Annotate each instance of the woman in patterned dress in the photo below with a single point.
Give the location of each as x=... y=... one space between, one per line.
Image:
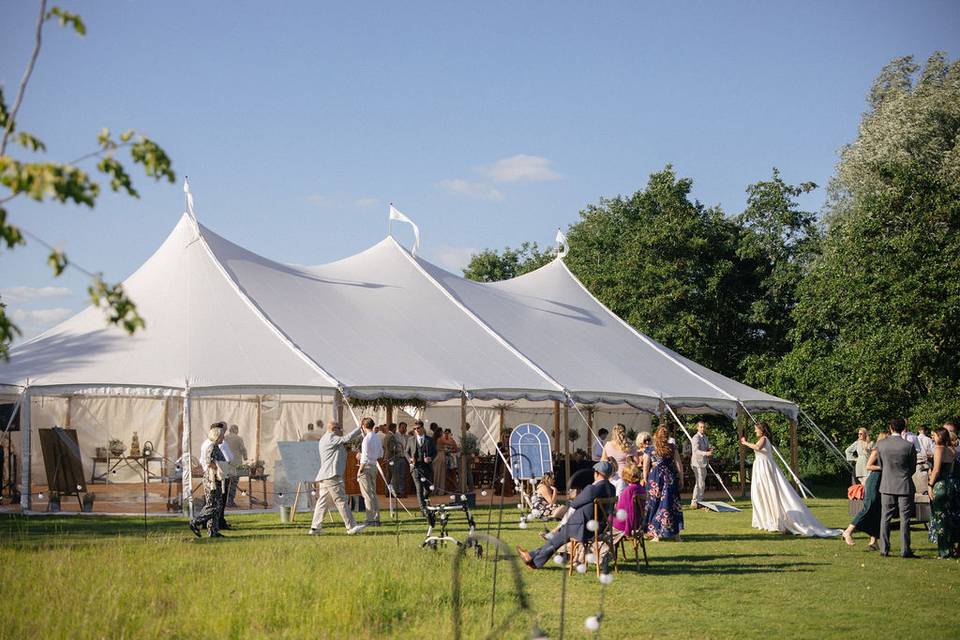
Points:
x=664 y=514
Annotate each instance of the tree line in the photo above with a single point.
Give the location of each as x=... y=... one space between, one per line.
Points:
x=851 y=311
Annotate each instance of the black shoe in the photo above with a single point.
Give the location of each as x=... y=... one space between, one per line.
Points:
x=195 y=529
x=217 y=534
x=884 y=554
x=909 y=555
x=226 y=527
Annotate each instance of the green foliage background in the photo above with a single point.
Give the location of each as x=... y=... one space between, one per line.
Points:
x=851 y=311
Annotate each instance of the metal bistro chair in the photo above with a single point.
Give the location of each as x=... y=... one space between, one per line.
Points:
x=634 y=535
x=603 y=510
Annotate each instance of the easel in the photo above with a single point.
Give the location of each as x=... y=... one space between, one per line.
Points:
x=61 y=457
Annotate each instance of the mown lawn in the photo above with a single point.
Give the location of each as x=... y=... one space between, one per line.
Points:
x=97 y=577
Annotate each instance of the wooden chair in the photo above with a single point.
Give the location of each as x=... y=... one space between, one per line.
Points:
x=634 y=534
x=603 y=510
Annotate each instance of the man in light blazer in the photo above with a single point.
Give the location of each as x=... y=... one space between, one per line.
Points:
x=898 y=458
x=700 y=452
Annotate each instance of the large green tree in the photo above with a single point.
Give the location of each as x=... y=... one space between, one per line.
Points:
x=23 y=175
x=878 y=317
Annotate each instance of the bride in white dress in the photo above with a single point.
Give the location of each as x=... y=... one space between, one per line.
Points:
x=776 y=506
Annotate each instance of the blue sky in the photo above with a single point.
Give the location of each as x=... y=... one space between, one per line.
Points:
x=488 y=123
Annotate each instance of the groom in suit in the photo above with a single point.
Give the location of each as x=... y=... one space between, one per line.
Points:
x=898 y=458
x=421 y=450
x=581 y=509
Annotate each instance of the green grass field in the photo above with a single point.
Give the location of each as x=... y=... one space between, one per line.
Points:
x=97 y=577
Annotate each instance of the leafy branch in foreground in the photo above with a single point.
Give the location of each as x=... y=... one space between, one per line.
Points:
x=65 y=182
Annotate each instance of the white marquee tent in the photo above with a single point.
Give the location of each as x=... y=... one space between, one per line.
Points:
x=227 y=327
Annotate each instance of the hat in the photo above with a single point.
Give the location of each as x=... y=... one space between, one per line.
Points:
x=604 y=468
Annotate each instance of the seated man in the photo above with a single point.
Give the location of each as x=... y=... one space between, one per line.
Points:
x=581 y=512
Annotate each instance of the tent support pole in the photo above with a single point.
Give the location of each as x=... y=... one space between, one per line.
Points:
x=463 y=434
x=66 y=418
x=793 y=445
x=556 y=425
x=503 y=424
x=389 y=414
x=740 y=421
x=593 y=433
x=25 y=426
x=337 y=409
x=257 y=436
x=566 y=443
x=186 y=461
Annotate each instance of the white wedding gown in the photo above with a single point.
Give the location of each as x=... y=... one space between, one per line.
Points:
x=776 y=506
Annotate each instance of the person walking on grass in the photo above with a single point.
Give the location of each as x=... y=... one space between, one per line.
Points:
x=371 y=450
x=211 y=459
x=898 y=459
x=330 y=489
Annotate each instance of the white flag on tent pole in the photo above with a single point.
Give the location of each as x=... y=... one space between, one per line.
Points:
x=186 y=190
x=563 y=248
x=397 y=215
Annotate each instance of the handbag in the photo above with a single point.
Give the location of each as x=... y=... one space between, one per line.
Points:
x=855 y=492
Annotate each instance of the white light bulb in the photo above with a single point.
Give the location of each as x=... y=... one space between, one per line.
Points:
x=558 y=559
x=40 y=495
x=79 y=488
x=314 y=492
x=581 y=568
x=391 y=463
x=280 y=494
x=591 y=558
x=621 y=514
x=431 y=487
x=592 y=525
x=453 y=497
x=606 y=578
x=484 y=492
x=523 y=523
x=463 y=496
x=592 y=623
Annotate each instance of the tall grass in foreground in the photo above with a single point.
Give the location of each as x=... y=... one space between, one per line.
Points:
x=81 y=577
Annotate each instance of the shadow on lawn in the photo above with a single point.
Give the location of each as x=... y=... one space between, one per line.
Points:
x=669 y=568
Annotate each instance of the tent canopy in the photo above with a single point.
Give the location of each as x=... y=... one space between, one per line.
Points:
x=381 y=323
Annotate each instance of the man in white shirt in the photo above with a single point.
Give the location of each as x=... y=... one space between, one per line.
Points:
x=598 y=443
x=925 y=446
x=333 y=464
x=371 y=450
x=311 y=434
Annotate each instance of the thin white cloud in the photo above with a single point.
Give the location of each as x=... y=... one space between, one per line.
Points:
x=366 y=202
x=470 y=189
x=521 y=168
x=40 y=317
x=322 y=201
x=453 y=259
x=23 y=294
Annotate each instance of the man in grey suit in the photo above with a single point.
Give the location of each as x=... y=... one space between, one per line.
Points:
x=898 y=458
x=699 y=459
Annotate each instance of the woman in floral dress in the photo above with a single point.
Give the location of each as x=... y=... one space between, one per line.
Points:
x=664 y=513
x=944 y=496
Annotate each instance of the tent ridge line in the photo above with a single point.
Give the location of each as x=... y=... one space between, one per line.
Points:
x=264 y=317
x=645 y=338
x=470 y=314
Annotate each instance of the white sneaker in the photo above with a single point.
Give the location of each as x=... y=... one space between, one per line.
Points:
x=316 y=532
x=356 y=529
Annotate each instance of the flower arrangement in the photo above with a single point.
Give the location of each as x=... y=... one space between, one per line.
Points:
x=116 y=447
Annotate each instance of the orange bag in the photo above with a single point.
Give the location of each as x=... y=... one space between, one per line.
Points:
x=855 y=492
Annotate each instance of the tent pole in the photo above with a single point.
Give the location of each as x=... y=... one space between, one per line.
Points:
x=793 y=445
x=256 y=456
x=556 y=425
x=740 y=421
x=186 y=460
x=566 y=443
x=66 y=418
x=337 y=407
x=590 y=428
x=503 y=423
x=463 y=434
x=25 y=427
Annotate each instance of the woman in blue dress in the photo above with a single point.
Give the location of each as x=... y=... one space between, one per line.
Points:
x=663 y=469
x=944 y=496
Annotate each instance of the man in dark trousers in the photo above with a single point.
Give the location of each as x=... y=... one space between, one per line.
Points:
x=421 y=450
x=898 y=458
x=576 y=527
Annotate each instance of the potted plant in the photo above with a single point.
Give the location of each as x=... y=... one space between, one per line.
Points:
x=116 y=447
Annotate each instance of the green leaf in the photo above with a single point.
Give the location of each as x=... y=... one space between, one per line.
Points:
x=58 y=261
x=66 y=18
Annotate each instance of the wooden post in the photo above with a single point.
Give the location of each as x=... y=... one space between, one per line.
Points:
x=566 y=444
x=556 y=425
x=66 y=420
x=793 y=446
x=503 y=424
x=389 y=414
x=592 y=435
x=338 y=407
x=743 y=453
